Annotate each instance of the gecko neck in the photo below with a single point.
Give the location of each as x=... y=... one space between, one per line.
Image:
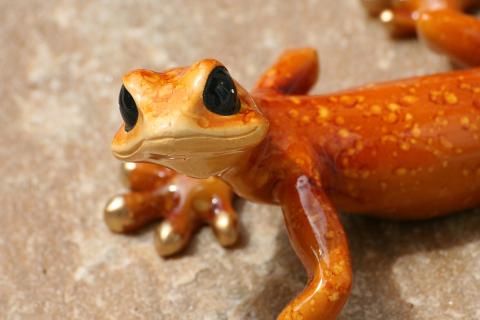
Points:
x=249 y=178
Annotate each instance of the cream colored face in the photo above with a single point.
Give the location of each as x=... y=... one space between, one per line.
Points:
x=177 y=125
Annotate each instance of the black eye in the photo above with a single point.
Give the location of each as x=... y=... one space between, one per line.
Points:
x=128 y=109
x=220 y=94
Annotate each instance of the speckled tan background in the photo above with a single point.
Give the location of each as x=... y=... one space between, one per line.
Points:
x=60 y=64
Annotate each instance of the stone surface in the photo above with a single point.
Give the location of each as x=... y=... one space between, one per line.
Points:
x=61 y=63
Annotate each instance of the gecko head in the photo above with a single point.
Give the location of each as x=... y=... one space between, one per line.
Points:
x=196 y=120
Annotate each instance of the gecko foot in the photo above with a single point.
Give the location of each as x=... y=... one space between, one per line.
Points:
x=182 y=203
x=398 y=17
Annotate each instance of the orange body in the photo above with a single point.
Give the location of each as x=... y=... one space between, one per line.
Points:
x=404 y=149
x=407 y=149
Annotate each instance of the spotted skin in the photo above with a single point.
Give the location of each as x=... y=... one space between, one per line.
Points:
x=407 y=149
x=386 y=149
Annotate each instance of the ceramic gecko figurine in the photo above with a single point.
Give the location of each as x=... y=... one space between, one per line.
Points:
x=408 y=149
x=441 y=23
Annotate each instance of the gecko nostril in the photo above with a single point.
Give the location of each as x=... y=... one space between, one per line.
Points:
x=128 y=109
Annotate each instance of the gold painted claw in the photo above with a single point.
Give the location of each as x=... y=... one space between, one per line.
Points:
x=182 y=202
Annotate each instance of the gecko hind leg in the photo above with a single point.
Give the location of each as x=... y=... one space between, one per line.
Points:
x=397 y=16
x=295 y=72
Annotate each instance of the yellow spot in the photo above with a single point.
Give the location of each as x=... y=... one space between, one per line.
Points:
x=436 y=96
x=391 y=117
x=408 y=117
x=465 y=172
x=465 y=122
x=393 y=107
x=293 y=113
x=344 y=133
x=305 y=119
x=465 y=86
x=376 y=109
x=405 y=146
x=409 y=99
x=300 y=161
x=416 y=132
x=334 y=296
x=337 y=269
x=295 y=100
x=383 y=185
x=401 y=171
x=360 y=99
x=323 y=113
x=339 y=120
x=333 y=99
x=445 y=163
x=450 y=97
x=348 y=101
x=441 y=121
x=330 y=234
x=389 y=138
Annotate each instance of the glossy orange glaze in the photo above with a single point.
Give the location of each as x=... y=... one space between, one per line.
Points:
x=441 y=23
x=386 y=149
x=407 y=149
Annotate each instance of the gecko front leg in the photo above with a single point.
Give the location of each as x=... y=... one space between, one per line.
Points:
x=317 y=237
x=182 y=202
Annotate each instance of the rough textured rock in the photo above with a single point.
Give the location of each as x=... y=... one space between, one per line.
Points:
x=61 y=64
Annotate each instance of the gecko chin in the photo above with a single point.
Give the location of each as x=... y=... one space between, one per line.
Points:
x=196 y=156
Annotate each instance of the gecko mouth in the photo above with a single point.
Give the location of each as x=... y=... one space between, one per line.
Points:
x=187 y=147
